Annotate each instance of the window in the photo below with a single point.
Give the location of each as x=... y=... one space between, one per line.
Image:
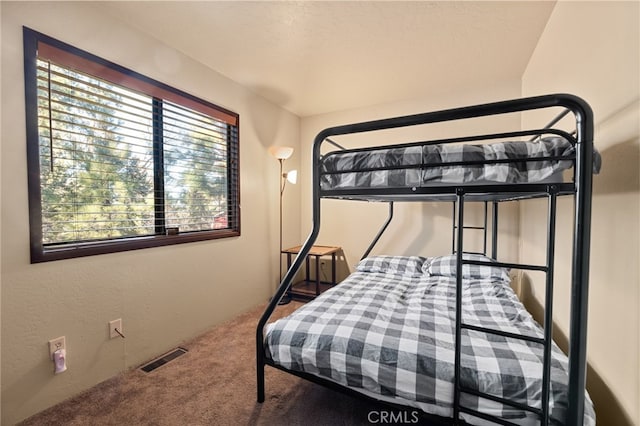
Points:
x=118 y=161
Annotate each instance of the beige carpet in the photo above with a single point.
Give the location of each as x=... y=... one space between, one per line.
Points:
x=212 y=384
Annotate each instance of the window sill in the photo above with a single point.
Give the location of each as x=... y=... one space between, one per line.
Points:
x=70 y=251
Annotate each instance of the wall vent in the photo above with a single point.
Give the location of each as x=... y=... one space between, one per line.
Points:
x=170 y=356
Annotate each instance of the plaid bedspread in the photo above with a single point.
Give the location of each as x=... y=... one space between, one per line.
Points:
x=392 y=333
x=421 y=165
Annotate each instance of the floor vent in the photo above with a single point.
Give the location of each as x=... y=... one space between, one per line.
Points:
x=163 y=360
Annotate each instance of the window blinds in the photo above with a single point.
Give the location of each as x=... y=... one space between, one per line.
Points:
x=128 y=160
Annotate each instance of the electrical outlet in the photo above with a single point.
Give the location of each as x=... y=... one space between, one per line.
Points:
x=55 y=344
x=113 y=325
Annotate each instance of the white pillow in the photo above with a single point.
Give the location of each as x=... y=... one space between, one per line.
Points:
x=402 y=265
x=445 y=266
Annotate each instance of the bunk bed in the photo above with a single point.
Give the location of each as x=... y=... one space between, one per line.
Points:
x=446 y=335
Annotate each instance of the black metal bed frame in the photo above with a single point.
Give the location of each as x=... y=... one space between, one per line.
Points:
x=580 y=188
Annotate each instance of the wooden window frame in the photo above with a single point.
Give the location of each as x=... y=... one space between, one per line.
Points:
x=37 y=44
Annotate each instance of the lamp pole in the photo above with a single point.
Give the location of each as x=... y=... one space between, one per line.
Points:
x=286 y=298
x=281 y=153
x=281 y=185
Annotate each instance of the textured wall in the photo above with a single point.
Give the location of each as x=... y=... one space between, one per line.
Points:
x=592 y=49
x=164 y=295
x=417 y=228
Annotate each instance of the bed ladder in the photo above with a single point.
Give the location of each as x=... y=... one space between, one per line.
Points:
x=546 y=341
x=484 y=228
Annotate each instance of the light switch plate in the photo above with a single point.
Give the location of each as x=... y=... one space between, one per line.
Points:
x=117 y=323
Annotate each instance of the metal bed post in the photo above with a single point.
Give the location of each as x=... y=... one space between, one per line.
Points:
x=458 y=344
x=494 y=230
x=580 y=266
x=484 y=244
x=548 y=309
x=453 y=228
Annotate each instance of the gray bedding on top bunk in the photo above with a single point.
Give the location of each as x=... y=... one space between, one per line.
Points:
x=409 y=166
x=389 y=329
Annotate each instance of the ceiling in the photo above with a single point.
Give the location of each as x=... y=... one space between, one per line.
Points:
x=313 y=57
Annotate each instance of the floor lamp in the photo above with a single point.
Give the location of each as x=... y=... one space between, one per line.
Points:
x=281 y=153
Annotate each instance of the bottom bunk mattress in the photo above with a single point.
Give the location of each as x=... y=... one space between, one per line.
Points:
x=388 y=330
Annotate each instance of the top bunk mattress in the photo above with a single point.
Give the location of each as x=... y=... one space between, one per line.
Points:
x=541 y=161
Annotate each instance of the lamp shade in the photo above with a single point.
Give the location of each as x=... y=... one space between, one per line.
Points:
x=292 y=176
x=281 y=152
